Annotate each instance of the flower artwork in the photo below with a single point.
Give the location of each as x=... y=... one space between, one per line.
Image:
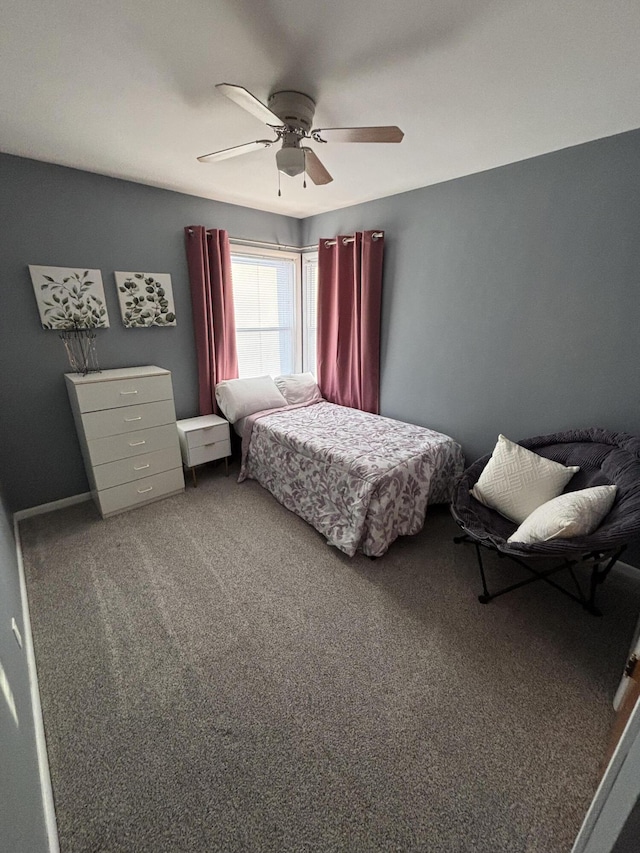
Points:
x=69 y=298
x=146 y=299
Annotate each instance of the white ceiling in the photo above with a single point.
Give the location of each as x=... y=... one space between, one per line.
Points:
x=127 y=88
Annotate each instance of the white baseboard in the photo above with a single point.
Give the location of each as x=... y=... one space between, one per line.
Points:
x=41 y=745
x=50 y=507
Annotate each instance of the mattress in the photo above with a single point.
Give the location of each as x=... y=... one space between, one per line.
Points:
x=360 y=479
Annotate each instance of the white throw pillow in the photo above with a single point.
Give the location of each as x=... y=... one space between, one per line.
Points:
x=299 y=388
x=516 y=481
x=574 y=514
x=238 y=398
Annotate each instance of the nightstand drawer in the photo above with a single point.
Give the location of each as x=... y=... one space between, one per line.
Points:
x=140 y=492
x=129 y=419
x=116 y=393
x=125 y=446
x=207 y=435
x=127 y=470
x=208 y=452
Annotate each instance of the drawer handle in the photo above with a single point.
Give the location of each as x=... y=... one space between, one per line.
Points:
x=128 y=420
x=124 y=393
x=136 y=443
x=142 y=491
x=140 y=467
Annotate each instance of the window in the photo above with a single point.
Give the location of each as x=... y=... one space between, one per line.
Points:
x=309 y=310
x=274 y=296
x=266 y=303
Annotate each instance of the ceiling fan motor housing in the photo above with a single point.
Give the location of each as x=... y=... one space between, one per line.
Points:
x=294 y=109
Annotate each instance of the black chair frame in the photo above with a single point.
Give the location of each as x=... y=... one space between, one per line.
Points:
x=601 y=565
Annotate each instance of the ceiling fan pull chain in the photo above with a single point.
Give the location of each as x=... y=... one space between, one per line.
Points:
x=304 y=174
x=279 y=193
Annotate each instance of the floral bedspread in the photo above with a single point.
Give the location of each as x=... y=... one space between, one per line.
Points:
x=360 y=479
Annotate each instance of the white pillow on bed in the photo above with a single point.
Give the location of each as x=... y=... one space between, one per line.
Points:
x=299 y=388
x=238 y=398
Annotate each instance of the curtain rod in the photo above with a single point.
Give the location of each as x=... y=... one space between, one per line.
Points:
x=375 y=236
x=261 y=244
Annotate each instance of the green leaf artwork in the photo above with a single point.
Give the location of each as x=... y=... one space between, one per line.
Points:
x=146 y=299
x=69 y=298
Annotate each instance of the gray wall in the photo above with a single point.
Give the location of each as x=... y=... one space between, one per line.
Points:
x=512 y=297
x=510 y=302
x=55 y=216
x=22 y=825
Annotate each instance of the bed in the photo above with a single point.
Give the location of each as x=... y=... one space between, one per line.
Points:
x=360 y=479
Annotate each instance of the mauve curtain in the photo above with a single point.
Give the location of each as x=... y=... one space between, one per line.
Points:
x=349 y=305
x=209 y=261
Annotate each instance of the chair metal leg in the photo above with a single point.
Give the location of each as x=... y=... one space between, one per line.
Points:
x=598 y=577
x=598 y=574
x=485 y=598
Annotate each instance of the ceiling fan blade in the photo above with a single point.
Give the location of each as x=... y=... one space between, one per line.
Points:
x=249 y=102
x=314 y=167
x=358 y=134
x=236 y=150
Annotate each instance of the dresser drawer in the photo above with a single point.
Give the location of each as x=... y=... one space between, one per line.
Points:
x=127 y=470
x=113 y=394
x=140 y=492
x=126 y=445
x=129 y=419
x=208 y=452
x=207 y=435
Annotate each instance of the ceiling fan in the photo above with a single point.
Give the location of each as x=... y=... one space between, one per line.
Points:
x=290 y=115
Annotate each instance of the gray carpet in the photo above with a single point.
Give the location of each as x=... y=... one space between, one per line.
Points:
x=214 y=677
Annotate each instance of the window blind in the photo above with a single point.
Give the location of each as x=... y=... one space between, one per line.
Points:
x=265 y=307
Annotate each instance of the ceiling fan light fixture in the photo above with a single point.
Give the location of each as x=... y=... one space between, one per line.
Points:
x=290 y=161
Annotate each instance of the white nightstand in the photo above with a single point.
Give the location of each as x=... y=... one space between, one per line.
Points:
x=202 y=440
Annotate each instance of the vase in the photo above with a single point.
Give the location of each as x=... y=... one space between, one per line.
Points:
x=80 y=346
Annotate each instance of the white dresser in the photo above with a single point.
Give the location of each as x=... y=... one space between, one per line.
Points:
x=126 y=423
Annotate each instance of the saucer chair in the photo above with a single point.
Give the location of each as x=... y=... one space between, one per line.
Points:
x=605 y=458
